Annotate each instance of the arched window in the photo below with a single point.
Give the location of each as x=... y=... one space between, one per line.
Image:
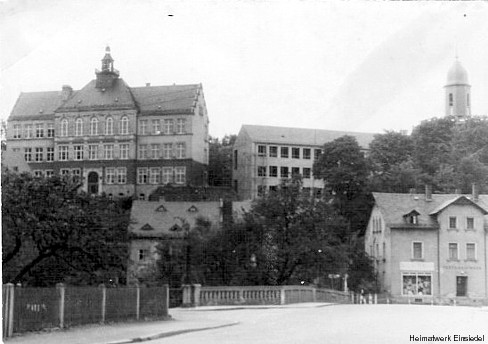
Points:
x=79 y=127
x=124 y=126
x=94 y=126
x=64 y=127
x=109 y=126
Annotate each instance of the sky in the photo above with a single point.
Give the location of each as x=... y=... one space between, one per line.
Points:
x=355 y=66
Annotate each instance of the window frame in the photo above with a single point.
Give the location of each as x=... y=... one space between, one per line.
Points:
x=307 y=153
x=421 y=250
x=109 y=126
x=124 y=126
x=93 y=126
x=79 y=127
x=180 y=174
x=475 y=253
x=449 y=248
x=284 y=152
x=262 y=150
x=273 y=151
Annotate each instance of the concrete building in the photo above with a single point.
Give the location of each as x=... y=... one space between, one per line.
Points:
x=117 y=139
x=430 y=246
x=263 y=155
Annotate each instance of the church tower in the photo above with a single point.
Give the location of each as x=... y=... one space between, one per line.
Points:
x=106 y=77
x=458 y=92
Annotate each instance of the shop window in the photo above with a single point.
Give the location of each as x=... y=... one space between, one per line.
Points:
x=416 y=284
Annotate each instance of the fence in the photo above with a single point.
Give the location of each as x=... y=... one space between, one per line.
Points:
x=268 y=295
x=32 y=309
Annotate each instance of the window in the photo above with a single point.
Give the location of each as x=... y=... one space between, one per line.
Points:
x=261 y=171
x=235 y=159
x=154 y=151
x=451 y=99
x=40 y=130
x=180 y=175
x=307 y=153
x=109 y=126
x=121 y=175
x=142 y=197
x=154 y=175
x=273 y=151
x=416 y=284
x=295 y=171
x=64 y=127
x=49 y=173
x=78 y=127
x=452 y=222
x=284 y=152
x=28 y=154
x=143 y=255
x=76 y=173
x=64 y=172
x=92 y=152
x=50 y=130
x=470 y=251
x=168 y=126
x=110 y=175
x=295 y=153
x=37 y=173
x=78 y=152
x=284 y=172
x=167 y=175
x=180 y=150
x=108 y=152
x=417 y=250
x=50 y=154
x=143 y=152
x=142 y=175
x=470 y=223
x=261 y=150
x=17 y=131
x=273 y=171
x=63 y=153
x=124 y=151
x=143 y=127
x=453 y=251
x=94 y=126
x=307 y=172
x=467 y=100
x=167 y=150
x=28 y=131
x=39 y=154
x=180 y=125
x=156 y=127
x=261 y=190
x=124 y=126
x=317 y=153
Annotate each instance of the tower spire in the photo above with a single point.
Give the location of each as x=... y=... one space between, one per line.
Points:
x=107 y=76
x=458 y=89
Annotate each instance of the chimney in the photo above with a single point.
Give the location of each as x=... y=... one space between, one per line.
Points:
x=457 y=191
x=66 y=92
x=148 y=84
x=428 y=192
x=476 y=192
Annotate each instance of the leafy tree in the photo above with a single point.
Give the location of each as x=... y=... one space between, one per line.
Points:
x=53 y=233
x=220 y=161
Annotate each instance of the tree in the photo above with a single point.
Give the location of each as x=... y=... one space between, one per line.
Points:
x=53 y=233
x=220 y=161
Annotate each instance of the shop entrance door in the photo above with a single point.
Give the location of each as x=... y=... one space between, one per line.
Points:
x=461 y=285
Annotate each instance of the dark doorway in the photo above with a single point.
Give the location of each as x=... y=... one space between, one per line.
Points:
x=461 y=285
x=93 y=183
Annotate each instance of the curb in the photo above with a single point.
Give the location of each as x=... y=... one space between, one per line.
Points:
x=169 y=334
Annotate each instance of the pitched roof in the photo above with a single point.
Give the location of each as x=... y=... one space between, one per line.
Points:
x=301 y=136
x=145 y=215
x=89 y=97
x=36 y=105
x=166 y=99
x=393 y=206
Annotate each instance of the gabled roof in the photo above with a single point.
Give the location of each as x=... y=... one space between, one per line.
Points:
x=393 y=206
x=461 y=200
x=301 y=136
x=166 y=99
x=36 y=105
x=90 y=97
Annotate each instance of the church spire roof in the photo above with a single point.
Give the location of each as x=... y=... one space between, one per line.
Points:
x=457 y=74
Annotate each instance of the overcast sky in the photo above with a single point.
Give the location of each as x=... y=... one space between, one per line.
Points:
x=357 y=66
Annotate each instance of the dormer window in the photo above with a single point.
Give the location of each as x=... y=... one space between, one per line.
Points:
x=175 y=228
x=412 y=217
x=192 y=209
x=161 y=208
x=146 y=227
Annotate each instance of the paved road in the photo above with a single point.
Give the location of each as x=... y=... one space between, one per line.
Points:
x=336 y=324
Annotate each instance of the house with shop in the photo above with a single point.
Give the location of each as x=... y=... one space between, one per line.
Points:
x=155 y=222
x=263 y=155
x=430 y=247
x=118 y=140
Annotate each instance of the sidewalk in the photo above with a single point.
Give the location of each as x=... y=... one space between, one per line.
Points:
x=183 y=320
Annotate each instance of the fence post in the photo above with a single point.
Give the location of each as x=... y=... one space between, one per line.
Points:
x=375 y=298
x=314 y=294
x=8 y=320
x=138 y=301
x=282 y=296
x=103 y=288
x=166 y=300
x=61 y=288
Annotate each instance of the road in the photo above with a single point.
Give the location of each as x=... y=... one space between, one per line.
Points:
x=334 y=324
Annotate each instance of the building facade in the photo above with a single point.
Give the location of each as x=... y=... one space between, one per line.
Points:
x=430 y=247
x=119 y=140
x=263 y=155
